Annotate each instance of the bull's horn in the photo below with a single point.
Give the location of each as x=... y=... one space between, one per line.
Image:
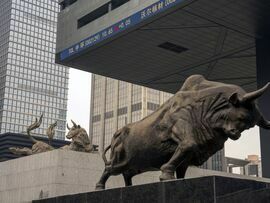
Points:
x=38 y=122
x=75 y=125
x=68 y=127
x=40 y=118
x=254 y=95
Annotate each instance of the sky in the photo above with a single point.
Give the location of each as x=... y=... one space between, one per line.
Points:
x=79 y=111
x=79 y=93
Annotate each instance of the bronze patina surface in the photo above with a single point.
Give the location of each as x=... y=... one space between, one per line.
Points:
x=79 y=139
x=186 y=130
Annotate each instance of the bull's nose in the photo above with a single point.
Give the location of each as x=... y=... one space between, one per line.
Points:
x=233 y=131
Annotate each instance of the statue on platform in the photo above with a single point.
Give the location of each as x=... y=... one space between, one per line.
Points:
x=79 y=139
x=186 y=130
x=38 y=146
x=50 y=132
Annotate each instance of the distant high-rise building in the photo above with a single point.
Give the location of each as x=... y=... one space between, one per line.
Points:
x=116 y=103
x=254 y=168
x=216 y=162
x=30 y=82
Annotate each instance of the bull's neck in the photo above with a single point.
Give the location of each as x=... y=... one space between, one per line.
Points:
x=204 y=113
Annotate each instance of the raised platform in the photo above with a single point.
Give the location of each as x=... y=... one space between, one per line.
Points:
x=55 y=173
x=204 y=189
x=8 y=140
x=59 y=172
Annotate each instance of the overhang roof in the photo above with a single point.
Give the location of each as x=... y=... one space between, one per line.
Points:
x=235 y=162
x=220 y=37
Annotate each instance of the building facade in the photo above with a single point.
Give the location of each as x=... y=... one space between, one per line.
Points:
x=254 y=168
x=30 y=81
x=116 y=103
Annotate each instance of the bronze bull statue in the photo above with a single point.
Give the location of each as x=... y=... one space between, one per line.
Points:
x=186 y=130
x=38 y=146
x=79 y=139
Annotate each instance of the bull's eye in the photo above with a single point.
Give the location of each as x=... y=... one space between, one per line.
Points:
x=245 y=121
x=242 y=119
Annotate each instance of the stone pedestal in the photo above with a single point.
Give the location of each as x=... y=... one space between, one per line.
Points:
x=61 y=172
x=204 y=189
x=55 y=173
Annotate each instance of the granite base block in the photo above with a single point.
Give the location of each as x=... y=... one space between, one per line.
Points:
x=203 y=189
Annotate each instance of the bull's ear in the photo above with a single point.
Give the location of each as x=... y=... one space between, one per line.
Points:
x=234 y=99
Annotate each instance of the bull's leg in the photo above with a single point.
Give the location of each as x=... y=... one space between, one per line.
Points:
x=101 y=183
x=181 y=171
x=127 y=179
x=182 y=152
x=179 y=157
x=128 y=176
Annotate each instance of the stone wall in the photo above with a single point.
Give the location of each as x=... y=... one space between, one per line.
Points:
x=54 y=173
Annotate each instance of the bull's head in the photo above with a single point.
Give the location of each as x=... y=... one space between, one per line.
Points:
x=73 y=130
x=79 y=136
x=242 y=114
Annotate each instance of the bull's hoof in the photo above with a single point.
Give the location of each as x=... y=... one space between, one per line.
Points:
x=109 y=169
x=100 y=187
x=166 y=176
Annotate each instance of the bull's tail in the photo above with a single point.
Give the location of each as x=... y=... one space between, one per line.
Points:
x=114 y=141
x=104 y=155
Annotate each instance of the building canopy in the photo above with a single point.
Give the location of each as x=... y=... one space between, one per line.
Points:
x=162 y=44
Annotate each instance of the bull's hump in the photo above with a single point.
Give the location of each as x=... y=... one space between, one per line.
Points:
x=191 y=82
x=225 y=90
x=199 y=83
x=196 y=94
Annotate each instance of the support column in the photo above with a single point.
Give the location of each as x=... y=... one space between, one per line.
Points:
x=263 y=76
x=103 y=101
x=129 y=104
x=91 y=109
x=223 y=160
x=144 y=102
x=115 y=103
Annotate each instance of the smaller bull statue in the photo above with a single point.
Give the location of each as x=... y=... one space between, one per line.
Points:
x=38 y=146
x=186 y=130
x=50 y=132
x=80 y=140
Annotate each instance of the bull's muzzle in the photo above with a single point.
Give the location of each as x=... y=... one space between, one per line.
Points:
x=233 y=134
